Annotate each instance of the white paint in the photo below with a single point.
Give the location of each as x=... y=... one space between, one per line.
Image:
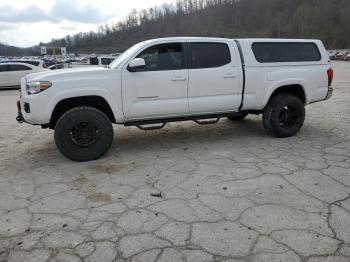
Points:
x=157 y=94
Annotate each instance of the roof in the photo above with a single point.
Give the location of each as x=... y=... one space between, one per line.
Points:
x=184 y=38
x=275 y=40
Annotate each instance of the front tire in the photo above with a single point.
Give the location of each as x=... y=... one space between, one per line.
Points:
x=284 y=115
x=83 y=134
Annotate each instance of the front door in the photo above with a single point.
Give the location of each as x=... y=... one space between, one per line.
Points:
x=159 y=89
x=16 y=72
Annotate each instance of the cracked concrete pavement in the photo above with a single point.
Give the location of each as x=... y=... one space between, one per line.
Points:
x=225 y=192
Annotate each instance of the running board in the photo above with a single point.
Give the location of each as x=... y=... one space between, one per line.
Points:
x=142 y=124
x=163 y=121
x=207 y=122
x=147 y=128
x=177 y=119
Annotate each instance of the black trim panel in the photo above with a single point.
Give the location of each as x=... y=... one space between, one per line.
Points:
x=177 y=119
x=243 y=72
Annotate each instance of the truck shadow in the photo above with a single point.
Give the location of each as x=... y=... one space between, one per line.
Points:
x=186 y=135
x=175 y=136
x=179 y=138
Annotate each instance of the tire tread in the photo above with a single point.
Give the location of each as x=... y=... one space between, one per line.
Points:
x=268 y=114
x=61 y=121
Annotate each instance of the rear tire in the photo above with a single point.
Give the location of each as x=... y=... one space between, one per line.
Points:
x=284 y=115
x=238 y=117
x=83 y=134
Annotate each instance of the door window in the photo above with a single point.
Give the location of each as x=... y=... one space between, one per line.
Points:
x=207 y=55
x=19 y=68
x=163 y=57
x=34 y=63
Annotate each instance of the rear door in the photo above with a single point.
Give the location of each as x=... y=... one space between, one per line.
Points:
x=214 y=84
x=4 y=76
x=160 y=88
x=17 y=71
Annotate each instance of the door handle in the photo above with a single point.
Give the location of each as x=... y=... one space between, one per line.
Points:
x=229 y=76
x=179 y=78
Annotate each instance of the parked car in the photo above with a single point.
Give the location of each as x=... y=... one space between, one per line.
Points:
x=39 y=63
x=47 y=63
x=347 y=57
x=332 y=54
x=12 y=72
x=101 y=61
x=57 y=66
x=341 y=55
x=177 y=79
x=115 y=55
x=93 y=61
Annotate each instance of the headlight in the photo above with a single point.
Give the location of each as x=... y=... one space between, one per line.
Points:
x=37 y=87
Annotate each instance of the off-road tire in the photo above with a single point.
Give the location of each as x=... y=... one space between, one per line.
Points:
x=69 y=138
x=238 y=117
x=273 y=118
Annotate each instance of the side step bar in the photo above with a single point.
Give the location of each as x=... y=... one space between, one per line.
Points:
x=206 y=120
x=147 y=128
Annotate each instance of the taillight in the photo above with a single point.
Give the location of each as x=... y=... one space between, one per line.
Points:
x=330 y=75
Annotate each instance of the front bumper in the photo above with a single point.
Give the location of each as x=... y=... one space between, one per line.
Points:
x=33 y=109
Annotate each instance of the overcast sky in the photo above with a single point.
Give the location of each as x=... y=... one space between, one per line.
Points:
x=27 y=22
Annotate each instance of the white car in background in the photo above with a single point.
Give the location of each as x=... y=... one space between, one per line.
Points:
x=347 y=57
x=12 y=72
x=101 y=61
x=39 y=63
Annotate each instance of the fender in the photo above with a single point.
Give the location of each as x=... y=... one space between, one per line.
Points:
x=281 y=83
x=78 y=92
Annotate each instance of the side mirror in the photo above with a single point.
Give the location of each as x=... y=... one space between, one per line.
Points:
x=136 y=64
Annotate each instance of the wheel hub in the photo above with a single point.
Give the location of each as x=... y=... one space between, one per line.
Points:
x=84 y=134
x=288 y=117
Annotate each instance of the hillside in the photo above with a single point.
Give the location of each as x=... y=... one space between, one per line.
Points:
x=328 y=20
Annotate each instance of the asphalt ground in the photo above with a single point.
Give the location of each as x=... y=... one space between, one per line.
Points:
x=222 y=192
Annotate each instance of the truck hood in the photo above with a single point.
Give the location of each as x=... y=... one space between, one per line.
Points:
x=66 y=74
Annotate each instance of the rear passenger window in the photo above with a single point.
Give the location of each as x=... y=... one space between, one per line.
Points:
x=286 y=52
x=206 y=55
x=19 y=68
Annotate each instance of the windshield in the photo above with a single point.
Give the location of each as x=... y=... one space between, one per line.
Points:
x=121 y=59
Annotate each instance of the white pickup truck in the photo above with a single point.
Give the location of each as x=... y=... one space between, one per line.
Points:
x=176 y=79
